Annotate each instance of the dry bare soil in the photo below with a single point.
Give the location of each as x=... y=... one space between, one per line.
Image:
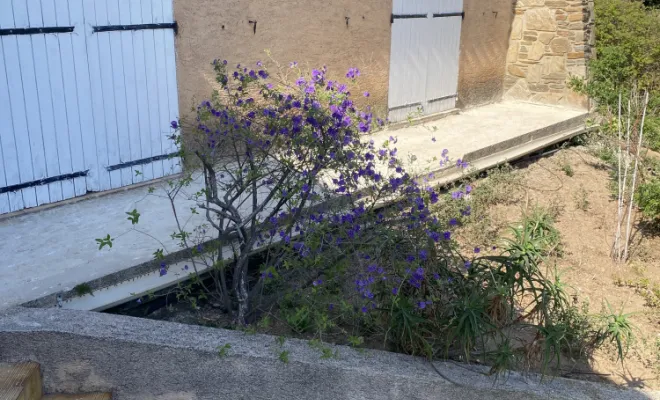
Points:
x=575 y=186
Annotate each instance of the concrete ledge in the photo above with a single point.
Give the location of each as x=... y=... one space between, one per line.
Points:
x=144 y=359
x=538 y=134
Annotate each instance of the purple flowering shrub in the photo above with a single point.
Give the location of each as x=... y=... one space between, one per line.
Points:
x=269 y=149
x=350 y=242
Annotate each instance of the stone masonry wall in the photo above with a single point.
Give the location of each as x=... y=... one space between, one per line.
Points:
x=549 y=43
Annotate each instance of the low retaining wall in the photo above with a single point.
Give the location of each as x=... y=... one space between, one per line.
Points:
x=143 y=359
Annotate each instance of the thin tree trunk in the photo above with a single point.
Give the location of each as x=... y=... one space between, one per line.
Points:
x=626 y=169
x=617 y=236
x=634 y=177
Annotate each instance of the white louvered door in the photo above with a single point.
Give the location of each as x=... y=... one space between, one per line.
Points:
x=424 y=57
x=87 y=92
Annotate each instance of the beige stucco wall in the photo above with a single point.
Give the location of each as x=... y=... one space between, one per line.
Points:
x=549 y=43
x=484 y=44
x=337 y=33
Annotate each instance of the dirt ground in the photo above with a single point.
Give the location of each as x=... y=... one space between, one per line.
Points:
x=575 y=185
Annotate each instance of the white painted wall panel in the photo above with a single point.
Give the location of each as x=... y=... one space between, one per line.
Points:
x=150 y=55
x=84 y=94
x=144 y=114
x=443 y=52
x=172 y=93
x=15 y=143
x=33 y=150
x=96 y=88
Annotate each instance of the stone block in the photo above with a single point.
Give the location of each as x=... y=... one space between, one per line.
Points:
x=534 y=73
x=536 y=52
x=529 y=38
x=538 y=87
x=530 y=3
x=522 y=56
x=576 y=55
x=578 y=36
x=576 y=26
x=574 y=99
x=547 y=98
x=512 y=53
x=575 y=17
x=516 y=28
x=556 y=3
x=546 y=37
x=516 y=71
x=519 y=91
x=563 y=33
x=540 y=19
x=553 y=67
x=560 y=45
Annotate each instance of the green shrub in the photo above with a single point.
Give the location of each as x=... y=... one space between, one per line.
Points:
x=627 y=50
x=648 y=199
x=627 y=58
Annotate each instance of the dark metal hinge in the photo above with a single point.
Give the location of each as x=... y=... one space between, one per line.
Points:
x=137 y=27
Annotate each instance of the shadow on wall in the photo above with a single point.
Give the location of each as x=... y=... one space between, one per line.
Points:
x=484 y=43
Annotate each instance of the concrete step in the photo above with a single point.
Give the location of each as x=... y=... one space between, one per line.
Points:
x=88 y=396
x=21 y=381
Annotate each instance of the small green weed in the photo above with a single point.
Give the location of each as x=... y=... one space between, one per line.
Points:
x=326 y=351
x=617 y=329
x=568 y=170
x=534 y=238
x=581 y=198
x=355 y=341
x=504 y=359
x=284 y=356
x=83 y=289
x=300 y=319
x=644 y=287
x=223 y=351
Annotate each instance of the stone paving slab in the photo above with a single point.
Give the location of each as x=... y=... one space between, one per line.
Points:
x=52 y=250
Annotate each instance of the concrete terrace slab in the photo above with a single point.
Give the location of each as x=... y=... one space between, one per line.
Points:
x=465 y=134
x=52 y=250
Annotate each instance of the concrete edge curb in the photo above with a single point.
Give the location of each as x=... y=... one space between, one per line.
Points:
x=121 y=330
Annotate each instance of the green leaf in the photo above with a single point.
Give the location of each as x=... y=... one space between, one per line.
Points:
x=158 y=254
x=133 y=216
x=106 y=241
